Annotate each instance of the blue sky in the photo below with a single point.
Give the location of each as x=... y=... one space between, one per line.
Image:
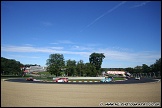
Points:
x=127 y=32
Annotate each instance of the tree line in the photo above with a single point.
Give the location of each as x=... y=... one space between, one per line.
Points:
x=10 y=67
x=57 y=65
x=153 y=69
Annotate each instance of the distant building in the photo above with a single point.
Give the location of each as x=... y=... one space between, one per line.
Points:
x=31 y=69
x=116 y=72
x=123 y=73
x=27 y=70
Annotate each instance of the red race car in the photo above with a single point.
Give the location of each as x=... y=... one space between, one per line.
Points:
x=61 y=80
x=30 y=79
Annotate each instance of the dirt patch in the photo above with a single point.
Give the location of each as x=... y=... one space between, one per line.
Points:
x=15 y=94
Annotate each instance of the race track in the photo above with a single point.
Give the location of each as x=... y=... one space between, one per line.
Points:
x=128 y=81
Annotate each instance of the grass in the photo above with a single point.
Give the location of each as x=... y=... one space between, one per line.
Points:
x=44 y=73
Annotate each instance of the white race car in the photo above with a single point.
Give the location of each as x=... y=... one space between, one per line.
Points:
x=137 y=78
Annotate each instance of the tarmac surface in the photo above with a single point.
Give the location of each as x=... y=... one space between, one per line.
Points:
x=128 y=81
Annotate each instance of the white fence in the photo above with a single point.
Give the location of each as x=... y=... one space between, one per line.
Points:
x=86 y=77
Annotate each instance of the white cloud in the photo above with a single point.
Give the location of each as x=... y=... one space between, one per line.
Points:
x=138 y=57
x=22 y=56
x=39 y=49
x=65 y=42
x=57 y=48
x=80 y=48
x=121 y=49
x=53 y=43
x=62 y=42
x=28 y=44
x=82 y=52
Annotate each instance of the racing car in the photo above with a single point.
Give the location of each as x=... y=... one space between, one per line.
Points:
x=30 y=79
x=137 y=78
x=61 y=80
x=107 y=79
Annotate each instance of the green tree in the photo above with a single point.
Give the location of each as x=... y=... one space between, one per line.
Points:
x=10 y=66
x=129 y=69
x=80 y=68
x=145 y=68
x=71 y=68
x=156 y=67
x=55 y=63
x=138 y=70
x=90 y=70
x=96 y=60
